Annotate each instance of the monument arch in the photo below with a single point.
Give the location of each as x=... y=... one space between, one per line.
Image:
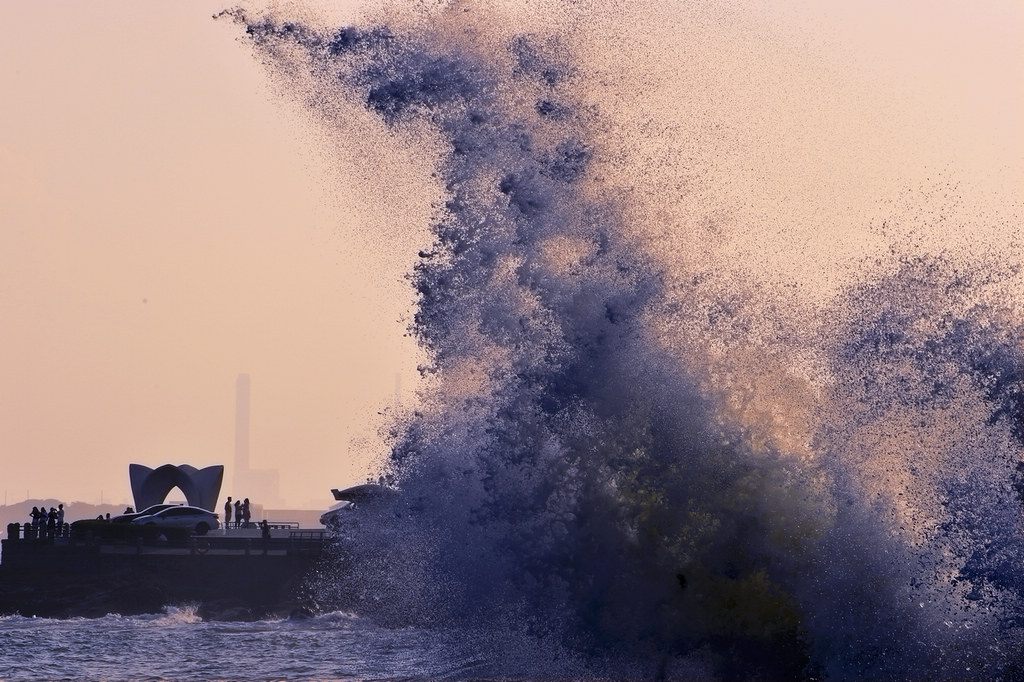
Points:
x=151 y=486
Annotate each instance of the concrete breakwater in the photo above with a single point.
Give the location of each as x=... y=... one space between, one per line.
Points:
x=229 y=577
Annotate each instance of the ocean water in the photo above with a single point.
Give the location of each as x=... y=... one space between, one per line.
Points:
x=178 y=645
x=659 y=435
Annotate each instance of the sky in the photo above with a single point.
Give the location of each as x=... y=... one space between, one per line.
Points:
x=166 y=223
x=169 y=220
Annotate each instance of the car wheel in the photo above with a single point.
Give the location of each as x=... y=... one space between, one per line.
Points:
x=202 y=529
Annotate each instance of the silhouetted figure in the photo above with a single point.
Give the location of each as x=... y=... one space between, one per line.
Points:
x=227 y=513
x=245 y=513
x=51 y=522
x=32 y=531
x=127 y=510
x=60 y=518
x=265 y=533
x=238 y=513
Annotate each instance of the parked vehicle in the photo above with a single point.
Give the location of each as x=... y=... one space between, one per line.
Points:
x=369 y=499
x=127 y=518
x=117 y=528
x=200 y=520
x=334 y=517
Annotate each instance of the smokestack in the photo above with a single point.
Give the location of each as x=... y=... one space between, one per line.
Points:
x=241 y=426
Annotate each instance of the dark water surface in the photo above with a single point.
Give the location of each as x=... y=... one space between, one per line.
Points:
x=178 y=645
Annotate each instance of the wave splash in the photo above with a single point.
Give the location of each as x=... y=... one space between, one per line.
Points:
x=573 y=475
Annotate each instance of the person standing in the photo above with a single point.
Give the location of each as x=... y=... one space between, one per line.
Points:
x=33 y=530
x=60 y=519
x=265 y=534
x=238 y=513
x=227 y=513
x=245 y=513
x=51 y=522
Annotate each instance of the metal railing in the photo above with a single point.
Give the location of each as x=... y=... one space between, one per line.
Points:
x=305 y=541
x=37 y=532
x=299 y=541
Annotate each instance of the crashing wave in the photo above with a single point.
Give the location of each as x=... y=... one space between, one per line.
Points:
x=597 y=460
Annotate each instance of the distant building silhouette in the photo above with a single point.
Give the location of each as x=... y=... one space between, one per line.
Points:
x=263 y=486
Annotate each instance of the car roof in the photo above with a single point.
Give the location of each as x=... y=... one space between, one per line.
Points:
x=183 y=506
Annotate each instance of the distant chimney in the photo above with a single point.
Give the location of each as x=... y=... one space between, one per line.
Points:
x=263 y=486
x=241 y=426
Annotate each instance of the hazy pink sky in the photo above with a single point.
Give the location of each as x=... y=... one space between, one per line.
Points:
x=167 y=222
x=164 y=226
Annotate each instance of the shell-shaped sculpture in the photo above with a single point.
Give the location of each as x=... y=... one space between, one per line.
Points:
x=201 y=486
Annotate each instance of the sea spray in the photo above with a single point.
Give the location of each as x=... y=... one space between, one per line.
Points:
x=590 y=465
x=925 y=435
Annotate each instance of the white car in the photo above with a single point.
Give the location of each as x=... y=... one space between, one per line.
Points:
x=129 y=517
x=365 y=496
x=334 y=517
x=201 y=520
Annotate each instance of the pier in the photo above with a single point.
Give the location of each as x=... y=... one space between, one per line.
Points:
x=233 y=573
x=286 y=538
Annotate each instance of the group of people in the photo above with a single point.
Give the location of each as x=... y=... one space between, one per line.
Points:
x=241 y=513
x=46 y=523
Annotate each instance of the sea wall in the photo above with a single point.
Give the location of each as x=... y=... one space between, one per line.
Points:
x=91 y=580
